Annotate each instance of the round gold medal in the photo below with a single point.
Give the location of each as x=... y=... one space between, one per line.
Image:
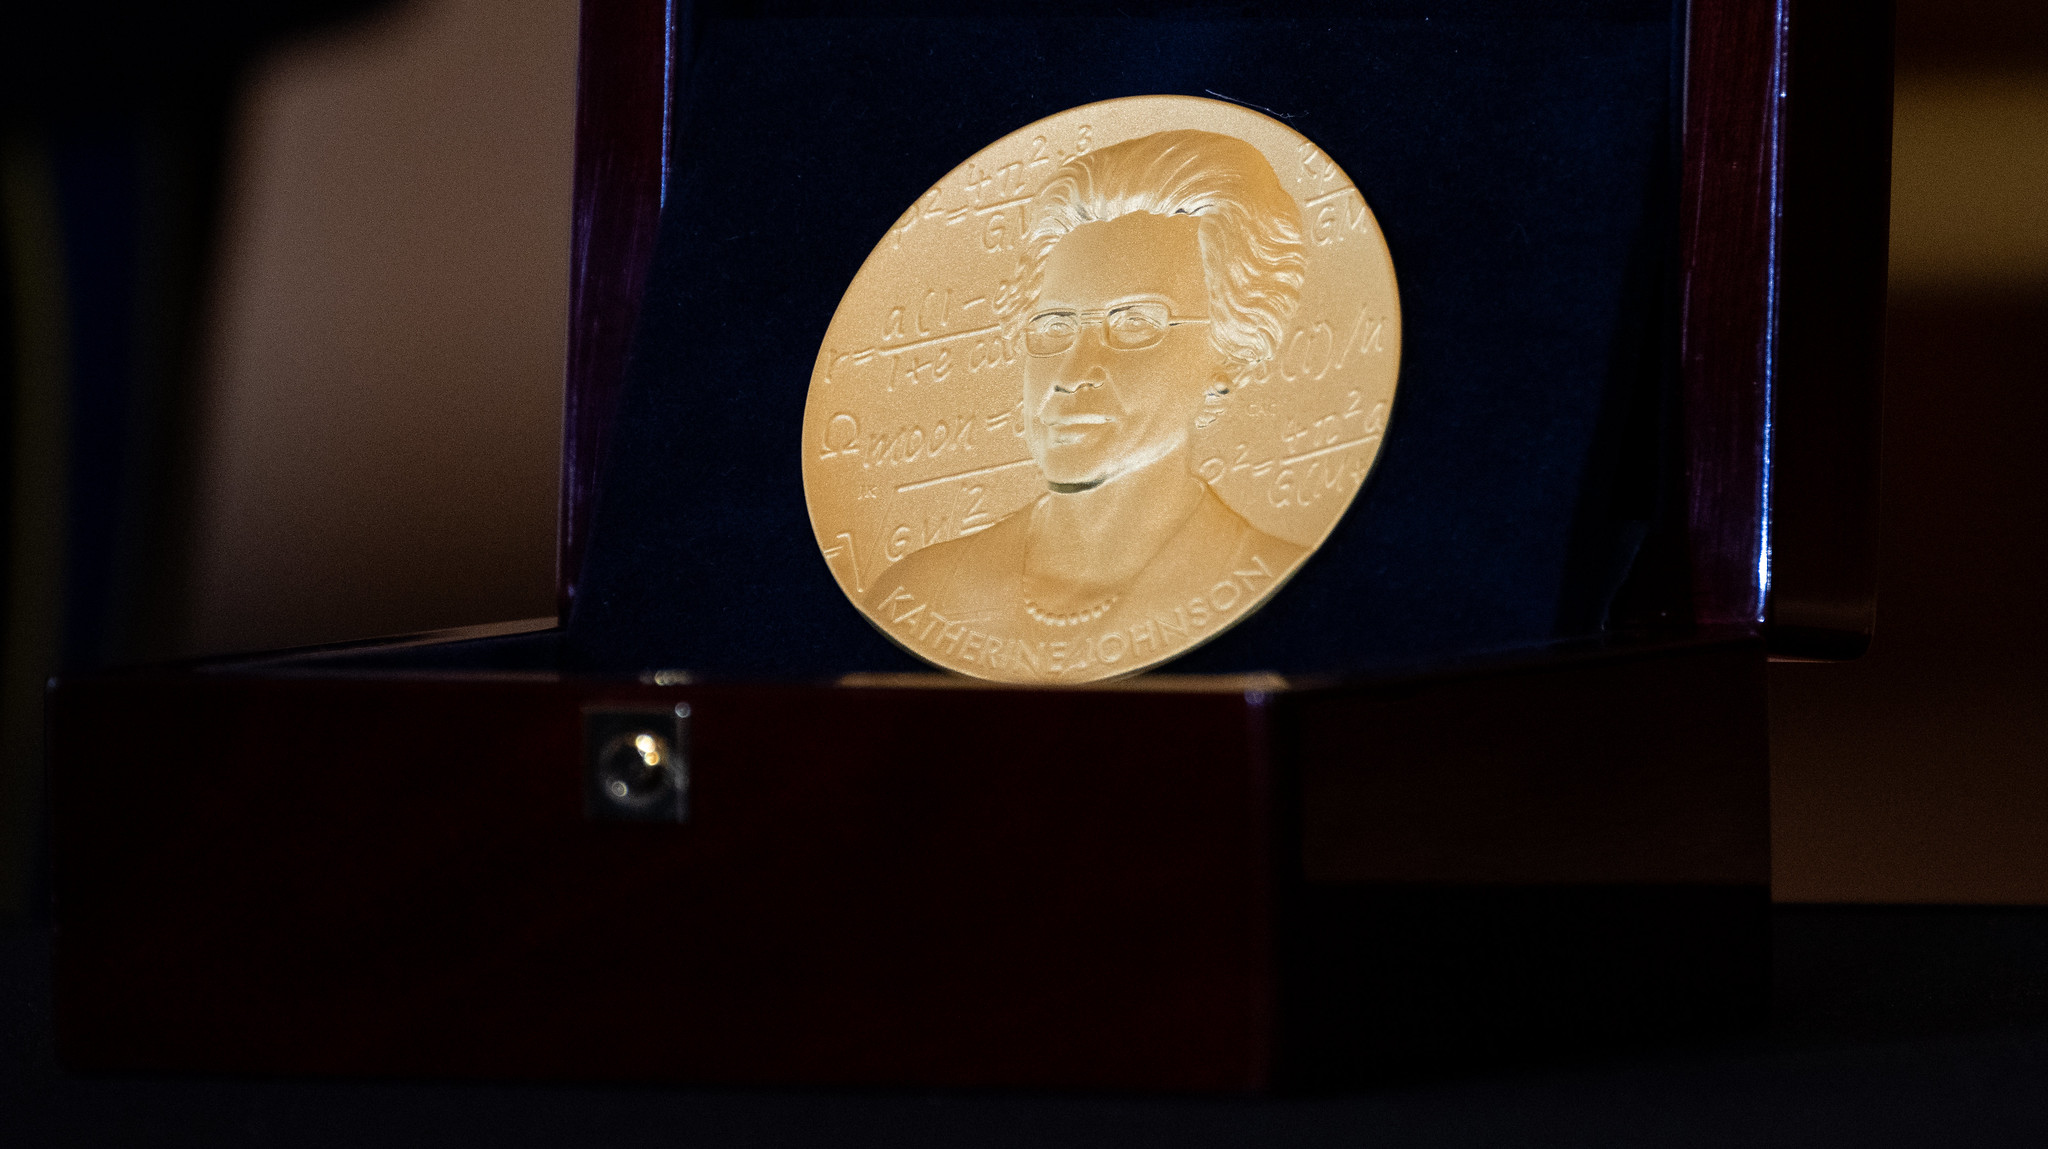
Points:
x=1102 y=390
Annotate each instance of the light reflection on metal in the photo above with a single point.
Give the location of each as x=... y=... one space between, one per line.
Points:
x=637 y=765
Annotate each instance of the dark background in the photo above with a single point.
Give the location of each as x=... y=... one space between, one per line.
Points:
x=1920 y=773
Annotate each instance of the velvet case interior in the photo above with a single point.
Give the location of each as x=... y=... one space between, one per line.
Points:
x=1519 y=156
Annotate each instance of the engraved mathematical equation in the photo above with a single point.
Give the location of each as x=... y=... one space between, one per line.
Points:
x=1315 y=352
x=1319 y=462
x=904 y=444
x=964 y=510
x=987 y=195
x=921 y=342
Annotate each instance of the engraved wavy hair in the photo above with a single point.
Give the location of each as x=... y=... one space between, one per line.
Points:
x=1248 y=228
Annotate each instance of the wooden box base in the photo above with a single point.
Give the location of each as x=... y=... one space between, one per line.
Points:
x=1211 y=885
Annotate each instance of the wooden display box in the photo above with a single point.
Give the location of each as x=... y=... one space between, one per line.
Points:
x=1168 y=885
x=381 y=859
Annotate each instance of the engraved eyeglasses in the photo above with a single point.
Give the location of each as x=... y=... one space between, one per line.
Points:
x=1128 y=327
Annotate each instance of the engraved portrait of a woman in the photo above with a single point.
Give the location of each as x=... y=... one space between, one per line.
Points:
x=1157 y=274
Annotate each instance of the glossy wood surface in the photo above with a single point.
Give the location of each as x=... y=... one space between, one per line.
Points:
x=324 y=871
x=396 y=875
x=622 y=113
x=1728 y=239
x=1622 y=769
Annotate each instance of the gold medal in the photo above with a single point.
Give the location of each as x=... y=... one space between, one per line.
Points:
x=1101 y=391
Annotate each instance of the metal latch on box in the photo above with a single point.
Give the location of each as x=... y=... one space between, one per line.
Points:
x=636 y=764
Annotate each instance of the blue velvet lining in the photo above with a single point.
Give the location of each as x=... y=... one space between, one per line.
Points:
x=1517 y=156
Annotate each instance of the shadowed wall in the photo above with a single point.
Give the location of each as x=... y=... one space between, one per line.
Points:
x=1920 y=774
x=382 y=447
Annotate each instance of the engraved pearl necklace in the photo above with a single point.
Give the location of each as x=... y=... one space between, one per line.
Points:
x=1076 y=618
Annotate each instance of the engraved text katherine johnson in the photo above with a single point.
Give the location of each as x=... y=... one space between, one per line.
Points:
x=1153 y=294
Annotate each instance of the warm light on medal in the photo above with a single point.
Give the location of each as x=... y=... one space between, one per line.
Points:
x=1101 y=391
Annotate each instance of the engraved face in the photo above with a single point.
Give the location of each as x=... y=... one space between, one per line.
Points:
x=1118 y=353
